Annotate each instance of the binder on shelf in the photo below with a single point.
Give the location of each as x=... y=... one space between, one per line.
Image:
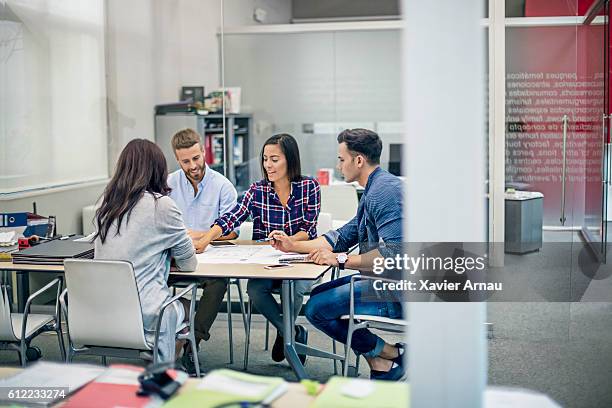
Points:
x=9 y=220
x=208 y=150
x=238 y=149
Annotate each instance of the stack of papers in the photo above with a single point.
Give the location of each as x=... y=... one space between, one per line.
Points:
x=8 y=238
x=246 y=254
x=53 y=381
x=223 y=387
x=54 y=252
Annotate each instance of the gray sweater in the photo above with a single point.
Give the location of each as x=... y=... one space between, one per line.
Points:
x=153 y=234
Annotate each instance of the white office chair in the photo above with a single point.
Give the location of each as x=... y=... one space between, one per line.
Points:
x=325 y=223
x=339 y=200
x=18 y=329
x=88 y=213
x=104 y=316
x=357 y=322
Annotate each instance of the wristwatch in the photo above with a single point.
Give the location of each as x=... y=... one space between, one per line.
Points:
x=341 y=258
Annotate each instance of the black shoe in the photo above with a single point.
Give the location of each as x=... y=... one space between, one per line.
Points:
x=301 y=336
x=396 y=373
x=278 y=349
x=401 y=349
x=188 y=363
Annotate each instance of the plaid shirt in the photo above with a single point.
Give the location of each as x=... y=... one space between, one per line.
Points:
x=264 y=206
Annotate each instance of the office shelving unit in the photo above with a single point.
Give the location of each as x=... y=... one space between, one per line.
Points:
x=226 y=153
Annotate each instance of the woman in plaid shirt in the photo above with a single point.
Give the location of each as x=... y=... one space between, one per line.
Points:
x=284 y=202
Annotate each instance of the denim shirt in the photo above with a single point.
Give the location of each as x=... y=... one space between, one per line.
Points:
x=378 y=219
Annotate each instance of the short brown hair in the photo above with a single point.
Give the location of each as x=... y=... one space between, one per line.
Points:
x=362 y=141
x=184 y=139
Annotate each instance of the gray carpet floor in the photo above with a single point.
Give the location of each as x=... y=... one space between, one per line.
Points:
x=561 y=349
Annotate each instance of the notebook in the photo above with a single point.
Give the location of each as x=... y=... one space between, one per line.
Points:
x=298 y=258
x=54 y=252
x=116 y=387
x=221 y=387
x=342 y=392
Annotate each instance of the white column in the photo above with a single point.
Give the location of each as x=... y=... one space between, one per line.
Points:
x=444 y=112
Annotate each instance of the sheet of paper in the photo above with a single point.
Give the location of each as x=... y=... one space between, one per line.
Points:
x=87 y=238
x=358 y=388
x=247 y=254
x=58 y=375
x=8 y=236
x=221 y=383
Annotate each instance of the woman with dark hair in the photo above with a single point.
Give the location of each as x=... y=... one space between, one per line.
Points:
x=139 y=223
x=283 y=203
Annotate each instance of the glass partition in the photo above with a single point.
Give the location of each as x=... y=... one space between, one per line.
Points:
x=53 y=98
x=315 y=84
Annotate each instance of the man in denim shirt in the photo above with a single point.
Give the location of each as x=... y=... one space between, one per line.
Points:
x=202 y=195
x=377 y=229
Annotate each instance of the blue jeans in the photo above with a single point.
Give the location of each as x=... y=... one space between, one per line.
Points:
x=330 y=301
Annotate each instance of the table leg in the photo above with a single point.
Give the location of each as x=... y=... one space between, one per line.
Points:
x=290 y=352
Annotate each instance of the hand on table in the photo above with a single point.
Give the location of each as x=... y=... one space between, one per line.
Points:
x=194 y=235
x=200 y=245
x=322 y=256
x=281 y=241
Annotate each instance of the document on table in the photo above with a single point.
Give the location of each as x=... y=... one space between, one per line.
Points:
x=49 y=374
x=246 y=254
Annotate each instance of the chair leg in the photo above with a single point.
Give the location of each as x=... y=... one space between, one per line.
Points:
x=22 y=352
x=267 y=335
x=104 y=362
x=247 y=340
x=194 y=351
x=334 y=361
x=347 y=350
x=60 y=339
x=357 y=359
x=229 y=323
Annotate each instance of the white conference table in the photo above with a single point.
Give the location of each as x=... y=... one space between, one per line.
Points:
x=299 y=271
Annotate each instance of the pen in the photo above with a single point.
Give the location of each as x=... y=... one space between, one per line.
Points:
x=264 y=240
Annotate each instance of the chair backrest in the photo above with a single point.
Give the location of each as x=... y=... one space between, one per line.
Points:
x=103 y=304
x=6 y=324
x=246 y=231
x=340 y=200
x=87 y=222
x=324 y=224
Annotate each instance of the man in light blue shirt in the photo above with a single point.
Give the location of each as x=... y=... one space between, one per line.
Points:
x=202 y=195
